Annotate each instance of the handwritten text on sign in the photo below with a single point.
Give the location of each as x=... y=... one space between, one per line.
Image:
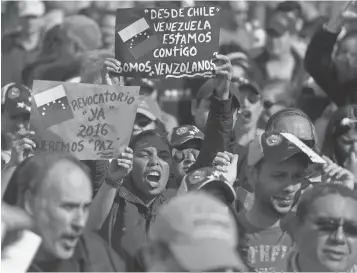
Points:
x=90 y=121
x=171 y=43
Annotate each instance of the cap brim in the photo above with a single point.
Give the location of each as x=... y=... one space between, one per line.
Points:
x=230 y=192
x=146 y=113
x=185 y=139
x=302 y=147
x=206 y=255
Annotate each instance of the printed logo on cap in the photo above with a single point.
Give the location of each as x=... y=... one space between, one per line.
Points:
x=181 y=131
x=14 y=93
x=197 y=176
x=274 y=140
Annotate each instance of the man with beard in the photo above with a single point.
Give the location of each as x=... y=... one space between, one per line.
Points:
x=335 y=73
x=133 y=190
x=186 y=142
x=55 y=190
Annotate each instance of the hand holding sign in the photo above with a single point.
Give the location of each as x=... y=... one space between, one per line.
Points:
x=331 y=172
x=226 y=163
x=224 y=76
x=22 y=147
x=109 y=72
x=120 y=167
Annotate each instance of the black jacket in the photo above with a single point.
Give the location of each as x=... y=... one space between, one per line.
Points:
x=319 y=63
x=219 y=137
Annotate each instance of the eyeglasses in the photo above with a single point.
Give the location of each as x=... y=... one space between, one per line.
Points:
x=331 y=225
x=181 y=155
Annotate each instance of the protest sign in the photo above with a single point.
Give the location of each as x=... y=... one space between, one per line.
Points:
x=89 y=121
x=167 y=42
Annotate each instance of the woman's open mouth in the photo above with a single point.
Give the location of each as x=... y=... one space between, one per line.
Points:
x=153 y=177
x=247 y=115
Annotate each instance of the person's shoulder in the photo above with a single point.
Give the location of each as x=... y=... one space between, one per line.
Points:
x=8 y=41
x=101 y=254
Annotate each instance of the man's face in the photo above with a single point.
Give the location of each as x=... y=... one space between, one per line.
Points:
x=11 y=125
x=142 y=123
x=240 y=11
x=31 y=24
x=327 y=236
x=251 y=108
x=278 y=44
x=151 y=165
x=271 y=103
x=182 y=161
x=61 y=207
x=277 y=184
x=346 y=59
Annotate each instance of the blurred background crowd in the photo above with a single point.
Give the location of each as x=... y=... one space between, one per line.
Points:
x=30 y=43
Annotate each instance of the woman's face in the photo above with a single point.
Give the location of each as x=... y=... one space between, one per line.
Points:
x=346 y=59
x=347 y=144
x=151 y=165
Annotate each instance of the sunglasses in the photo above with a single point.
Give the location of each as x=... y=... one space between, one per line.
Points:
x=253 y=97
x=181 y=155
x=269 y=104
x=331 y=225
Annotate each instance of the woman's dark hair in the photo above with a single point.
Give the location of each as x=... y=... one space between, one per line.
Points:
x=321 y=190
x=32 y=171
x=149 y=133
x=335 y=129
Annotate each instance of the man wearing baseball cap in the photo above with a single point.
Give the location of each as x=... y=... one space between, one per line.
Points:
x=147 y=116
x=149 y=88
x=193 y=233
x=186 y=142
x=15 y=118
x=278 y=164
x=250 y=98
x=23 y=46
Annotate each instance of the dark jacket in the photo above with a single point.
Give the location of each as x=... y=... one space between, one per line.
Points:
x=129 y=220
x=91 y=254
x=219 y=137
x=319 y=63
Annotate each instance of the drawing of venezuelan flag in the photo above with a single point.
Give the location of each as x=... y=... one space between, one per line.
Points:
x=53 y=106
x=139 y=38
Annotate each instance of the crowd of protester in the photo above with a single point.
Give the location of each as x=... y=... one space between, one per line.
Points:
x=262 y=176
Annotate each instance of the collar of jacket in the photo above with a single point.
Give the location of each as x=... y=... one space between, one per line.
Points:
x=127 y=192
